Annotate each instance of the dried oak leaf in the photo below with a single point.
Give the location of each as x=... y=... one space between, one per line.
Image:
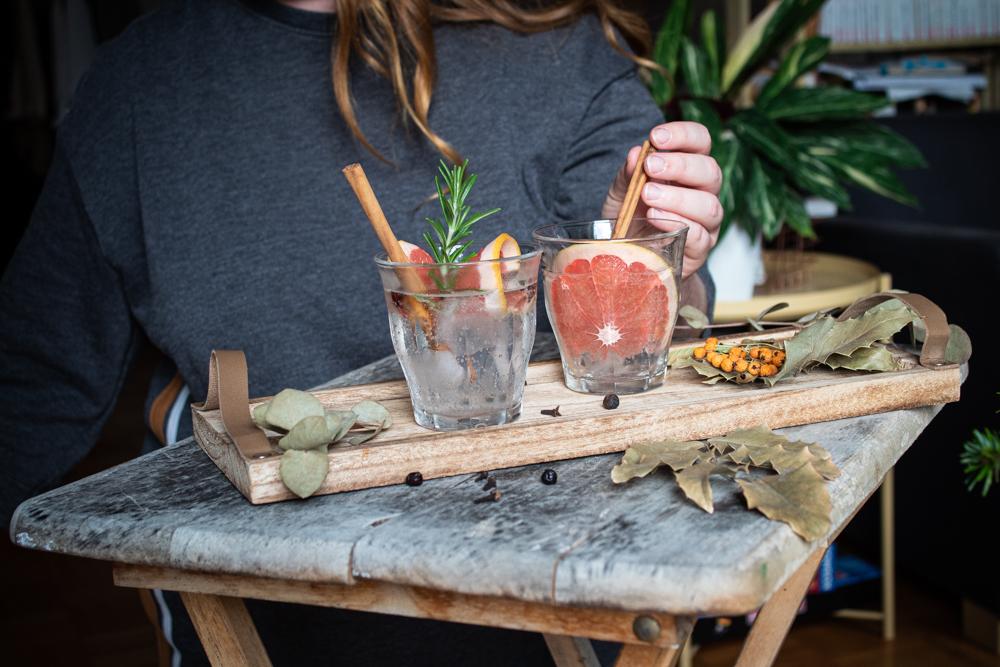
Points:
x=642 y=459
x=696 y=485
x=826 y=336
x=760 y=446
x=876 y=358
x=798 y=498
x=303 y=471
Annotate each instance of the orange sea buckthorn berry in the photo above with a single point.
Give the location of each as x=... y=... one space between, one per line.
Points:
x=727 y=365
x=767 y=370
x=740 y=365
x=778 y=358
x=699 y=353
x=753 y=368
x=754 y=352
x=735 y=353
x=765 y=355
x=717 y=360
x=711 y=343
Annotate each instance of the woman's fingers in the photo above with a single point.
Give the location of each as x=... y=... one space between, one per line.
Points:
x=698 y=242
x=697 y=205
x=681 y=136
x=694 y=171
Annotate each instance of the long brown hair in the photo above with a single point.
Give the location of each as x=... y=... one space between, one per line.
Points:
x=395 y=39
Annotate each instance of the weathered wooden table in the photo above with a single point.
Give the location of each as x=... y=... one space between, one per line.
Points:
x=577 y=560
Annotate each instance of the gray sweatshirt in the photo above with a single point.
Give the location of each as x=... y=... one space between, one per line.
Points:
x=196 y=197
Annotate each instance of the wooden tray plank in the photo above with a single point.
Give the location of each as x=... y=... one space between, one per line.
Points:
x=683 y=408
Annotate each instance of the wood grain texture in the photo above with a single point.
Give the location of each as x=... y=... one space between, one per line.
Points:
x=647 y=656
x=212 y=592
x=582 y=542
x=226 y=630
x=776 y=616
x=684 y=408
x=571 y=651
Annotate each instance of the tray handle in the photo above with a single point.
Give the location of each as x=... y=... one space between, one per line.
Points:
x=228 y=392
x=932 y=352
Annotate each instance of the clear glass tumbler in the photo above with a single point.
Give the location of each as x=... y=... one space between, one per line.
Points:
x=612 y=303
x=463 y=334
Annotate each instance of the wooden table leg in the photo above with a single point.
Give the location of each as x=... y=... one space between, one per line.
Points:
x=637 y=655
x=226 y=630
x=776 y=616
x=571 y=651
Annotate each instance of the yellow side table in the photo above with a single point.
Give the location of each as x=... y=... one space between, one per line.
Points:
x=807 y=281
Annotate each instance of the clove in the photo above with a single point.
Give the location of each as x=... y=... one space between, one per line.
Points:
x=554 y=412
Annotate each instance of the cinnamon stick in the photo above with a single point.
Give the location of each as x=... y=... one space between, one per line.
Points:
x=355 y=175
x=632 y=195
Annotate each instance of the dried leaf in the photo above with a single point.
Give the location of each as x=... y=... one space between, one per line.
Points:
x=290 y=407
x=642 y=459
x=959 y=349
x=761 y=447
x=696 y=485
x=260 y=415
x=303 y=471
x=340 y=422
x=798 y=498
x=876 y=358
x=694 y=317
x=359 y=437
x=309 y=433
x=372 y=413
x=826 y=337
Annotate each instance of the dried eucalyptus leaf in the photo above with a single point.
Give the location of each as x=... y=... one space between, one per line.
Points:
x=771 y=309
x=340 y=422
x=291 y=406
x=799 y=498
x=876 y=358
x=303 y=471
x=694 y=317
x=370 y=412
x=309 y=433
x=357 y=438
x=959 y=349
x=260 y=415
x=696 y=485
x=825 y=337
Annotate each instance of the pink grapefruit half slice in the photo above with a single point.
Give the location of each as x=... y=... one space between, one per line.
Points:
x=611 y=298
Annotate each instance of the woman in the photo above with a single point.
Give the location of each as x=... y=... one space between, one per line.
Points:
x=195 y=196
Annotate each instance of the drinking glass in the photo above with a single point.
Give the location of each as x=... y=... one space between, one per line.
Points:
x=463 y=334
x=612 y=303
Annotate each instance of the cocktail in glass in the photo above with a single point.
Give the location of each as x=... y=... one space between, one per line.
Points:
x=612 y=303
x=463 y=334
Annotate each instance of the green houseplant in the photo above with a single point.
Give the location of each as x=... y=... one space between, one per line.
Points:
x=790 y=141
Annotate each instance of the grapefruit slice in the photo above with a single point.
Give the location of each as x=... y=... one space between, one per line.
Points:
x=489 y=277
x=615 y=298
x=415 y=253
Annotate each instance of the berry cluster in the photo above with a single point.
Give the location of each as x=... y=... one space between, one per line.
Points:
x=754 y=360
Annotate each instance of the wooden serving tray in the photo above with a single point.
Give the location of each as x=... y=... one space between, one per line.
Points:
x=684 y=408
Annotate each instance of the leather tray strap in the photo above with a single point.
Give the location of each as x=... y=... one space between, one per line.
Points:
x=228 y=392
x=932 y=353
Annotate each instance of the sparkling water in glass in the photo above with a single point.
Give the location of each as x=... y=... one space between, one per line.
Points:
x=463 y=334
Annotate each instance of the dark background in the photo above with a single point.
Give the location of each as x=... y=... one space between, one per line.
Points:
x=948 y=250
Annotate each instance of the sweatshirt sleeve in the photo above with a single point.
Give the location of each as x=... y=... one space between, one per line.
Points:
x=66 y=343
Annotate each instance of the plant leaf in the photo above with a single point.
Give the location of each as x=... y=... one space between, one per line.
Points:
x=696 y=485
x=801 y=58
x=308 y=433
x=712 y=43
x=764 y=36
x=303 y=471
x=799 y=498
x=959 y=348
x=825 y=337
x=372 y=413
x=760 y=204
x=873 y=176
x=823 y=103
x=641 y=459
x=694 y=317
x=863 y=137
x=761 y=447
x=701 y=111
x=340 y=422
x=695 y=67
x=291 y=406
x=259 y=415
x=796 y=216
x=665 y=50
x=730 y=154
x=877 y=358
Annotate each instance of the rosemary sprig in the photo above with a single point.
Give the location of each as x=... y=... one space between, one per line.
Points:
x=452 y=231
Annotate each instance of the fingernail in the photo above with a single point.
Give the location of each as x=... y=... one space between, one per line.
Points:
x=655 y=163
x=661 y=136
x=653 y=191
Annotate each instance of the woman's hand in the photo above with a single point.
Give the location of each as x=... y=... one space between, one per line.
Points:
x=684 y=182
